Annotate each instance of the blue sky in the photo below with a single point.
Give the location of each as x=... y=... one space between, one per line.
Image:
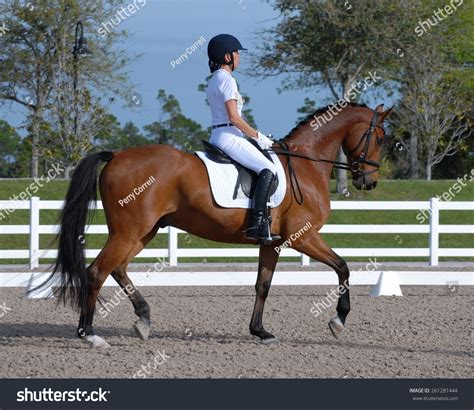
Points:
x=162 y=30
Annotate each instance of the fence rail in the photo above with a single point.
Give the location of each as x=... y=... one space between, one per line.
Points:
x=173 y=252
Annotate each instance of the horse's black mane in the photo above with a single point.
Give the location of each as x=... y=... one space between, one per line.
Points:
x=320 y=111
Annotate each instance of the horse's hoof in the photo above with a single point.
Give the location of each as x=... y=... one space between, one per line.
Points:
x=142 y=329
x=270 y=340
x=96 y=342
x=336 y=327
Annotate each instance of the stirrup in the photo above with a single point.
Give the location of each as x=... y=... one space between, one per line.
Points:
x=261 y=233
x=269 y=237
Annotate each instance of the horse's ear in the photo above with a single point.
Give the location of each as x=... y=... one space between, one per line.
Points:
x=379 y=108
x=385 y=114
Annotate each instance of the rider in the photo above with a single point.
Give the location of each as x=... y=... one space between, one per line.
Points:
x=228 y=129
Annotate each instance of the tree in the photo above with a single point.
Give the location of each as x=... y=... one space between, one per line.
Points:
x=37 y=69
x=247 y=113
x=10 y=143
x=459 y=31
x=73 y=120
x=332 y=44
x=104 y=138
x=307 y=109
x=173 y=127
x=22 y=164
x=432 y=111
x=25 y=66
x=126 y=137
x=431 y=121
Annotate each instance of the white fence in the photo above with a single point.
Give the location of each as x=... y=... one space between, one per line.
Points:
x=433 y=251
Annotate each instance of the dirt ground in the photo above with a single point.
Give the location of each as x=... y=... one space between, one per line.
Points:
x=202 y=332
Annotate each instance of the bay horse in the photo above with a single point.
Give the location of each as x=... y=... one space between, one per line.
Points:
x=180 y=196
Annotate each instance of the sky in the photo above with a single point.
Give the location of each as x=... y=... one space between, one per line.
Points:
x=161 y=30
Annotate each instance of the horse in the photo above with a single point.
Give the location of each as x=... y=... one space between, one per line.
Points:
x=180 y=196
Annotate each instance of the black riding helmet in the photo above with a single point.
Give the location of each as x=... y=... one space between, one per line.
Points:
x=218 y=47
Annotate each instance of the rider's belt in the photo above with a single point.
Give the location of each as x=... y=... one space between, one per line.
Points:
x=222 y=125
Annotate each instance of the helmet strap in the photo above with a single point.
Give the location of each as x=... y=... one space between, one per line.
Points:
x=231 y=62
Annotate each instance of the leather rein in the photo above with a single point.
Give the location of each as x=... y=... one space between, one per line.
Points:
x=353 y=167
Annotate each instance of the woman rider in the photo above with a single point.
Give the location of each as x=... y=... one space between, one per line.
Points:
x=229 y=128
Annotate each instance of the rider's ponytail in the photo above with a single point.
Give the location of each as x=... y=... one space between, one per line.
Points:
x=213 y=66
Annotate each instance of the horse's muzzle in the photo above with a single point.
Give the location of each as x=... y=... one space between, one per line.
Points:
x=364 y=183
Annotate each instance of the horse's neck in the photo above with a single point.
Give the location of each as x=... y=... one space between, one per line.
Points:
x=322 y=143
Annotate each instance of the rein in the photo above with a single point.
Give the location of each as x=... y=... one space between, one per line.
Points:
x=353 y=167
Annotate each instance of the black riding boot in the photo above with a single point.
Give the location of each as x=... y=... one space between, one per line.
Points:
x=259 y=226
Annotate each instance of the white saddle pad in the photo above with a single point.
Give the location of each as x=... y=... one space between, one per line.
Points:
x=223 y=178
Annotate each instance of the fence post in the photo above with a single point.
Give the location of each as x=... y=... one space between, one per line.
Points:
x=305 y=260
x=173 y=246
x=34 y=231
x=434 y=231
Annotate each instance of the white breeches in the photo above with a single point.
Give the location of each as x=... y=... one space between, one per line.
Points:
x=240 y=150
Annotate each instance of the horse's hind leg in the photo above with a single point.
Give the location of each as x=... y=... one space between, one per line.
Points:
x=142 y=309
x=315 y=247
x=109 y=258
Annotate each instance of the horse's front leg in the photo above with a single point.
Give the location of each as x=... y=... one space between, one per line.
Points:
x=268 y=258
x=314 y=246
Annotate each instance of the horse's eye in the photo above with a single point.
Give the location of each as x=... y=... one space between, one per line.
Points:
x=379 y=141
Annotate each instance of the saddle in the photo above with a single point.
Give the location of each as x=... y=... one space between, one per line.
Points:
x=246 y=178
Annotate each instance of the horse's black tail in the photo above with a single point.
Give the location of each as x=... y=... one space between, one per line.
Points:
x=70 y=276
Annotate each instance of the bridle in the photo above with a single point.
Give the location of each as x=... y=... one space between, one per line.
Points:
x=353 y=167
x=367 y=136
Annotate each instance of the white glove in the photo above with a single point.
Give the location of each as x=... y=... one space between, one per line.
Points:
x=263 y=141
